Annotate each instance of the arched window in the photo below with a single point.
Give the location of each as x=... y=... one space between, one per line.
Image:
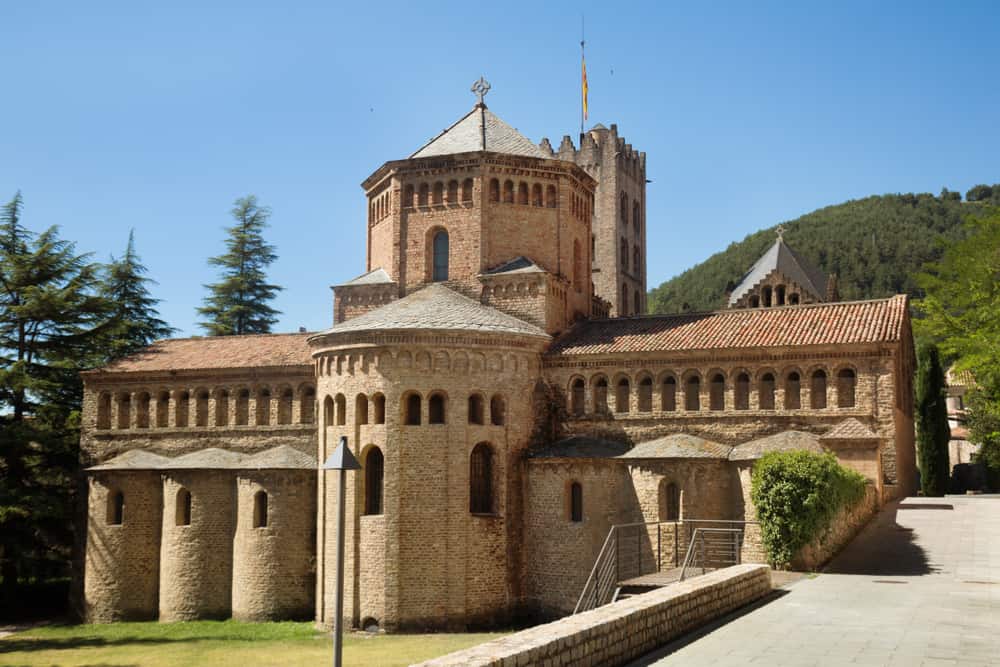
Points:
x=408 y=196
x=183 y=408
x=263 y=406
x=182 y=508
x=222 y=407
x=793 y=299
x=104 y=411
x=793 y=391
x=341 y=404
x=116 y=509
x=201 y=408
x=636 y=263
x=692 y=391
x=361 y=409
x=577 y=393
x=243 y=407
x=717 y=393
x=498 y=410
x=624 y=309
x=636 y=305
x=412 y=404
x=162 y=409
x=440 y=271
x=536 y=194
x=374 y=474
x=668 y=394
x=623 y=210
x=481 y=479
x=622 y=395
x=329 y=412
x=378 y=403
x=817 y=390
x=755 y=301
x=424 y=195
x=646 y=394
x=285 y=401
x=475 y=409
x=508 y=192
x=623 y=247
x=437 y=197
x=467 y=190
x=575 y=502
x=636 y=212
x=124 y=410
x=765 y=393
x=741 y=396
x=260 y=510
x=494 y=190
x=765 y=296
x=670 y=505
x=846 y=382
x=601 y=396
x=142 y=410
x=779 y=295
x=551 y=199
x=307 y=406
x=452 y=192
x=522 y=193
x=577 y=266
x=436 y=409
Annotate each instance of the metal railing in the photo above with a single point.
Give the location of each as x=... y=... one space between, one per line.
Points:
x=633 y=550
x=713 y=548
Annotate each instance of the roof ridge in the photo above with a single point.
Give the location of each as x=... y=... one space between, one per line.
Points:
x=720 y=311
x=444 y=131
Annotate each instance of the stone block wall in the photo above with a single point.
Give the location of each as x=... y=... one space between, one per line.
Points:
x=274 y=563
x=121 y=577
x=842 y=529
x=618 y=633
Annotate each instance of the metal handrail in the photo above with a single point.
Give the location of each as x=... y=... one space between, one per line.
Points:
x=593 y=571
x=698 y=538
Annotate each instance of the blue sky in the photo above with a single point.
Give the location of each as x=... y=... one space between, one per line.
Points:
x=157 y=116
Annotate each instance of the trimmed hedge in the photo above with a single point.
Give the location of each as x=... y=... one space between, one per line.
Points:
x=797 y=494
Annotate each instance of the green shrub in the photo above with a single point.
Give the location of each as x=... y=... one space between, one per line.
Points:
x=796 y=494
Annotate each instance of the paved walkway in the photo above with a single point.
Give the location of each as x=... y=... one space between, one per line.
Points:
x=919 y=586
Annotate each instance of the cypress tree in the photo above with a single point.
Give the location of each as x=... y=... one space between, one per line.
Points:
x=238 y=303
x=50 y=316
x=134 y=321
x=933 y=432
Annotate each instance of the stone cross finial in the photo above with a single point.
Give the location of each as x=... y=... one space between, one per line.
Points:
x=781 y=231
x=480 y=88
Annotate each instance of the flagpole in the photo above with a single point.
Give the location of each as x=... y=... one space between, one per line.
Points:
x=583 y=69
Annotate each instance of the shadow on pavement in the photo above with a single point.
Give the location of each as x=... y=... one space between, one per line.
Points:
x=885 y=548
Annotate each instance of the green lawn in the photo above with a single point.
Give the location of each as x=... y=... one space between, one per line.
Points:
x=217 y=643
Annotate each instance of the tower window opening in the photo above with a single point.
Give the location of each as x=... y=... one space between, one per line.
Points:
x=182 y=508
x=260 y=510
x=116 y=509
x=440 y=271
x=374 y=475
x=575 y=502
x=481 y=479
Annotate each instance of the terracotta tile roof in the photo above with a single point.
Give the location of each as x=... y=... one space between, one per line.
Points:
x=779 y=442
x=282 y=457
x=820 y=324
x=956 y=378
x=850 y=429
x=437 y=307
x=216 y=352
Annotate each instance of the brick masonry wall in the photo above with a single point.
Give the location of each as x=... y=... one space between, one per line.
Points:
x=121 y=579
x=196 y=560
x=617 y=633
x=274 y=565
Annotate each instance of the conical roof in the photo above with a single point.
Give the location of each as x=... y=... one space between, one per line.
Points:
x=781 y=258
x=467 y=136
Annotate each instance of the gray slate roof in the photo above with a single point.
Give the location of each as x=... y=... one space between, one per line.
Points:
x=374 y=277
x=678 y=446
x=520 y=264
x=282 y=457
x=780 y=442
x=781 y=258
x=466 y=136
x=850 y=429
x=437 y=307
x=581 y=447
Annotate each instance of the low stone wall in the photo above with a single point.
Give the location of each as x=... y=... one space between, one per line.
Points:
x=618 y=633
x=842 y=529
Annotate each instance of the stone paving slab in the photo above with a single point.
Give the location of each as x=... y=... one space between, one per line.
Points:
x=919 y=586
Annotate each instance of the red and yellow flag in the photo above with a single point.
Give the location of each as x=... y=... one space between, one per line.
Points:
x=583 y=61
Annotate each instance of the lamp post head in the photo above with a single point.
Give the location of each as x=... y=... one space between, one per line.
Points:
x=341 y=458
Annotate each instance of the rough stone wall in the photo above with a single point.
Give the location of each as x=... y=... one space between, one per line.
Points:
x=863 y=458
x=196 y=560
x=539 y=298
x=274 y=564
x=350 y=301
x=842 y=529
x=443 y=566
x=121 y=579
x=618 y=633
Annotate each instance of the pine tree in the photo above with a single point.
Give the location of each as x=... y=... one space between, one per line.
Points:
x=50 y=317
x=134 y=321
x=933 y=432
x=238 y=303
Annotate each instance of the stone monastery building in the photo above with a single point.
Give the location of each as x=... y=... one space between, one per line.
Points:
x=495 y=374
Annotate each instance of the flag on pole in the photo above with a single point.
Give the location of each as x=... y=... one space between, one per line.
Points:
x=583 y=61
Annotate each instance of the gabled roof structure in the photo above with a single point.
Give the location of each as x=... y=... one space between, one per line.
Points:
x=678 y=446
x=779 y=442
x=282 y=457
x=781 y=258
x=375 y=277
x=467 y=135
x=520 y=264
x=850 y=429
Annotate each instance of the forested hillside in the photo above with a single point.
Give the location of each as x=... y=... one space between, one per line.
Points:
x=874 y=245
